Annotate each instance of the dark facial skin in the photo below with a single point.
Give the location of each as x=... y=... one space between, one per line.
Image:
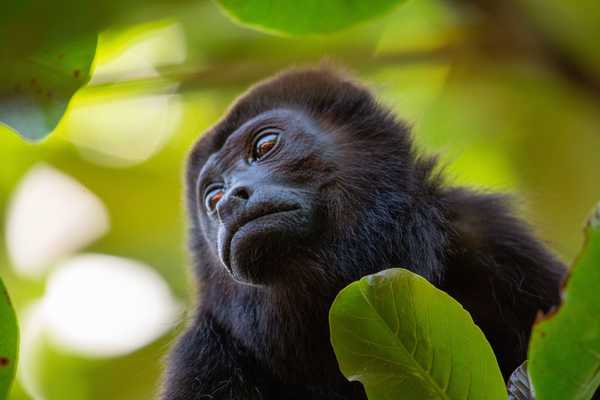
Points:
x=266 y=204
x=306 y=185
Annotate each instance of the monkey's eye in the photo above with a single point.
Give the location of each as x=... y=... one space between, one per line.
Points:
x=264 y=144
x=212 y=197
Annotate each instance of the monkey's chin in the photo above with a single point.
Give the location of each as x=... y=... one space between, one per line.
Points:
x=257 y=251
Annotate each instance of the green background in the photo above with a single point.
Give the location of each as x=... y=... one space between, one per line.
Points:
x=499 y=108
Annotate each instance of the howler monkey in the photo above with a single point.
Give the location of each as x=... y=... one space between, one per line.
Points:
x=306 y=185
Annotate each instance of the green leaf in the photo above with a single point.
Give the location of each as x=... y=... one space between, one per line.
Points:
x=404 y=339
x=9 y=342
x=564 y=352
x=36 y=88
x=304 y=16
x=47 y=49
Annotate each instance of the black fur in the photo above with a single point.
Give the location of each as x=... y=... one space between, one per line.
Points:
x=367 y=203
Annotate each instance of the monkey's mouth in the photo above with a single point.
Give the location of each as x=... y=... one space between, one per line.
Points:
x=258 y=223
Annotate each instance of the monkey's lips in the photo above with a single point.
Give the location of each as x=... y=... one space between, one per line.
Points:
x=241 y=241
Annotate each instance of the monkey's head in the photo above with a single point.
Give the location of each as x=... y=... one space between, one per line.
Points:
x=302 y=168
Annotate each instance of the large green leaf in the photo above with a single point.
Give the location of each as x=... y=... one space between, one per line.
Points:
x=564 y=353
x=404 y=339
x=36 y=88
x=304 y=16
x=9 y=340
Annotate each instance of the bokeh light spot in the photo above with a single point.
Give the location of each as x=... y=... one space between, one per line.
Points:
x=102 y=306
x=50 y=216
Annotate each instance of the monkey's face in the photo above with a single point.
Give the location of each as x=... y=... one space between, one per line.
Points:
x=259 y=197
x=305 y=170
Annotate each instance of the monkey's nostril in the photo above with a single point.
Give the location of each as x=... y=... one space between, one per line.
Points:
x=241 y=192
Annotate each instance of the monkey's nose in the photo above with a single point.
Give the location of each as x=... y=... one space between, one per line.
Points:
x=233 y=202
x=241 y=191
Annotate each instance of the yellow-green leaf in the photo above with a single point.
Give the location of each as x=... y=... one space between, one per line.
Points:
x=564 y=352
x=405 y=339
x=304 y=16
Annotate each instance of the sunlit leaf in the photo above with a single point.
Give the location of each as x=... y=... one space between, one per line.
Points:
x=564 y=353
x=403 y=338
x=9 y=338
x=304 y=16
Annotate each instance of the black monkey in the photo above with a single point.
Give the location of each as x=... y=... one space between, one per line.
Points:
x=306 y=185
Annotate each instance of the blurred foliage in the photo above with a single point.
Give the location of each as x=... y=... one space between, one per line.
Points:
x=564 y=353
x=506 y=92
x=571 y=26
x=401 y=337
x=50 y=51
x=303 y=16
x=36 y=88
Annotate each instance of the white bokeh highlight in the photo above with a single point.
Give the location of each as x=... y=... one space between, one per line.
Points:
x=104 y=306
x=50 y=216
